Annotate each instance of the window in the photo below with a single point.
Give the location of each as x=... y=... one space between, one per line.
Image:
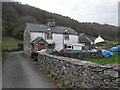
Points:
x=65 y=45
x=66 y=35
x=69 y=46
x=41 y=46
x=48 y=34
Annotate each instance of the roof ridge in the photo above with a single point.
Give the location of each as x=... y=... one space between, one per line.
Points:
x=43 y=27
x=35 y=23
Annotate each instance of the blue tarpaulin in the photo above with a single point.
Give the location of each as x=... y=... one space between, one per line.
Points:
x=106 y=53
x=117 y=48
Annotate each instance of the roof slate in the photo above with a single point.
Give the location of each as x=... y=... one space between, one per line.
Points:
x=83 y=39
x=43 y=28
x=39 y=39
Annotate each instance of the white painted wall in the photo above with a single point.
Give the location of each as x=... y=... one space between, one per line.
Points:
x=77 y=47
x=34 y=35
x=73 y=39
x=58 y=39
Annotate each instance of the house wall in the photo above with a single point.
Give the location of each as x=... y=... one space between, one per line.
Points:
x=27 y=43
x=58 y=39
x=34 y=35
x=73 y=39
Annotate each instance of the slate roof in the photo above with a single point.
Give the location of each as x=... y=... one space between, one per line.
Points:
x=43 y=28
x=39 y=39
x=83 y=39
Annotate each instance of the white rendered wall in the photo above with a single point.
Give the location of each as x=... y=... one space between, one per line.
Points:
x=73 y=39
x=58 y=40
x=34 y=35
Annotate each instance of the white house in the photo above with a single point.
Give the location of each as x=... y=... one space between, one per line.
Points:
x=48 y=36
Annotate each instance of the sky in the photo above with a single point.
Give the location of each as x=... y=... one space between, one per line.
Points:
x=100 y=11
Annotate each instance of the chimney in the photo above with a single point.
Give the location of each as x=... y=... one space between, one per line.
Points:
x=51 y=23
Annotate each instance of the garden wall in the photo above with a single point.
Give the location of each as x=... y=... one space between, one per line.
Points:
x=80 y=74
x=81 y=55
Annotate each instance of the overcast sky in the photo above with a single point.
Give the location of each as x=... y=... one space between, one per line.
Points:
x=100 y=11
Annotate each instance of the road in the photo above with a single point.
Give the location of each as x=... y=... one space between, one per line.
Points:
x=19 y=72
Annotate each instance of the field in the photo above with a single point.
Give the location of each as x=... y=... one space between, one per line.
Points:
x=108 y=60
x=10 y=43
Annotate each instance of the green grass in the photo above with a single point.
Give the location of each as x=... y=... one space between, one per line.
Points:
x=112 y=42
x=109 y=45
x=108 y=60
x=101 y=47
x=10 y=43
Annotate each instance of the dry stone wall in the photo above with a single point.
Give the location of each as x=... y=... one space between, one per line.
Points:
x=80 y=74
x=80 y=55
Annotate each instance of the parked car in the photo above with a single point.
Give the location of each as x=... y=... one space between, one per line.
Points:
x=52 y=50
x=63 y=51
x=34 y=55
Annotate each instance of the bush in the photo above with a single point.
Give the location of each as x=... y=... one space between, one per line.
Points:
x=20 y=46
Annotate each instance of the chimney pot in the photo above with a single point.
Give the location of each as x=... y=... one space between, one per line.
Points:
x=51 y=23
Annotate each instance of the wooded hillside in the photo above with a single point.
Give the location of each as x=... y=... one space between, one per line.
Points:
x=15 y=16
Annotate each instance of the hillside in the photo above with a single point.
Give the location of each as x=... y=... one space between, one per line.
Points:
x=15 y=15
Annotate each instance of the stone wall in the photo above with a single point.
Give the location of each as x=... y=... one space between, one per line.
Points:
x=27 y=42
x=82 y=74
x=81 y=55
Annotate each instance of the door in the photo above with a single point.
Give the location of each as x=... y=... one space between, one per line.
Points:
x=41 y=46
